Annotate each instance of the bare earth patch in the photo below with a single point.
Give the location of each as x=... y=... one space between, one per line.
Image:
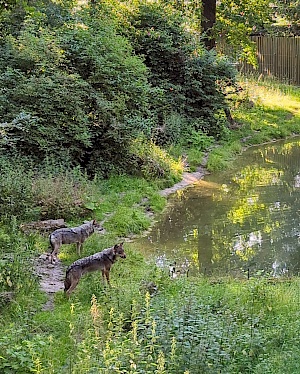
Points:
x=188 y=179
x=51 y=278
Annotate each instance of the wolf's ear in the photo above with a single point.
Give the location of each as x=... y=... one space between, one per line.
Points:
x=94 y=222
x=121 y=244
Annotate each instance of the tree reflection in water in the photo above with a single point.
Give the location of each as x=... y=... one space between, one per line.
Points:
x=244 y=219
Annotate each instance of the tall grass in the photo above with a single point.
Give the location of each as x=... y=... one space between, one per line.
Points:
x=268 y=111
x=146 y=322
x=189 y=325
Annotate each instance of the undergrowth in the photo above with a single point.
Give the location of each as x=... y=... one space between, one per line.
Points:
x=185 y=326
x=266 y=111
x=146 y=322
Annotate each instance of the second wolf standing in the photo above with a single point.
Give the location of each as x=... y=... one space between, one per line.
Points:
x=71 y=235
x=99 y=261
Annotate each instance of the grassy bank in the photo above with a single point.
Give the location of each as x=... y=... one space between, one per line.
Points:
x=146 y=322
x=270 y=111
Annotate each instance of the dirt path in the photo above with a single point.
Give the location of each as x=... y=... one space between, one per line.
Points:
x=188 y=179
x=51 y=278
x=52 y=275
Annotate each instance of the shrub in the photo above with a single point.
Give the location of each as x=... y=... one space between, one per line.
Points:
x=70 y=92
x=44 y=115
x=59 y=197
x=15 y=261
x=50 y=192
x=16 y=197
x=153 y=162
x=193 y=80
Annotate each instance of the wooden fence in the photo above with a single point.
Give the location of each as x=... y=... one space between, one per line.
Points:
x=277 y=57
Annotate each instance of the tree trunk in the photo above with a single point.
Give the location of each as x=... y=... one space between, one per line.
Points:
x=208 y=20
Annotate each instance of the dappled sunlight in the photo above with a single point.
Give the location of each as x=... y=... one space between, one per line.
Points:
x=153 y=161
x=274 y=95
x=252 y=176
x=287 y=148
x=277 y=100
x=244 y=209
x=242 y=219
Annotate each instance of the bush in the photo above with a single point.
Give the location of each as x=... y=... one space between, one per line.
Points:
x=153 y=162
x=16 y=197
x=81 y=86
x=194 y=81
x=44 y=115
x=15 y=254
x=59 y=197
x=70 y=92
x=49 y=193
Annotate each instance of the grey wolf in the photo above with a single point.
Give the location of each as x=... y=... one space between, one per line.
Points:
x=99 y=261
x=71 y=235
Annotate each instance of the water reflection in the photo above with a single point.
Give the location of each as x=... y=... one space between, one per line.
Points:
x=237 y=221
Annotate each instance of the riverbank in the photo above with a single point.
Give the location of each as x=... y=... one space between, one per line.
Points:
x=188 y=179
x=147 y=322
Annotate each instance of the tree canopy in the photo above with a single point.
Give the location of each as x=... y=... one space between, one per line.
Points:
x=82 y=81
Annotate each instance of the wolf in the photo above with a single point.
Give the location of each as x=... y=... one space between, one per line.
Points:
x=98 y=261
x=71 y=235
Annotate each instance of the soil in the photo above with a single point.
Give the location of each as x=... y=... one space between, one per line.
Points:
x=52 y=276
x=188 y=179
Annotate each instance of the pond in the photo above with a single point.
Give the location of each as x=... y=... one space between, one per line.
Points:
x=239 y=222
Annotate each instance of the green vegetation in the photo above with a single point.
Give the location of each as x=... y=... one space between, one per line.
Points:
x=268 y=111
x=189 y=326
x=83 y=84
x=146 y=322
x=102 y=104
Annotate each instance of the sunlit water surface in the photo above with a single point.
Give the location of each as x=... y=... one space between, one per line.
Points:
x=243 y=221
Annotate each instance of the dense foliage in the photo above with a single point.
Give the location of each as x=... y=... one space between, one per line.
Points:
x=191 y=78
x=188 y=325
x=81 y=84
x=288 y=17
x=111 y=87
x=146 y=322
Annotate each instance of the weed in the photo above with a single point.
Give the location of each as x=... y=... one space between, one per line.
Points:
x=189 y=325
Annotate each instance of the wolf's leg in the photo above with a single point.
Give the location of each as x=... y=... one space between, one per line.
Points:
x=53 y=255
x=105 y=275
x=54 y=247
x=74 y=282
x=78 y=246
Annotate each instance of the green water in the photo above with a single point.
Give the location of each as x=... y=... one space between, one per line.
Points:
x=242 y=221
